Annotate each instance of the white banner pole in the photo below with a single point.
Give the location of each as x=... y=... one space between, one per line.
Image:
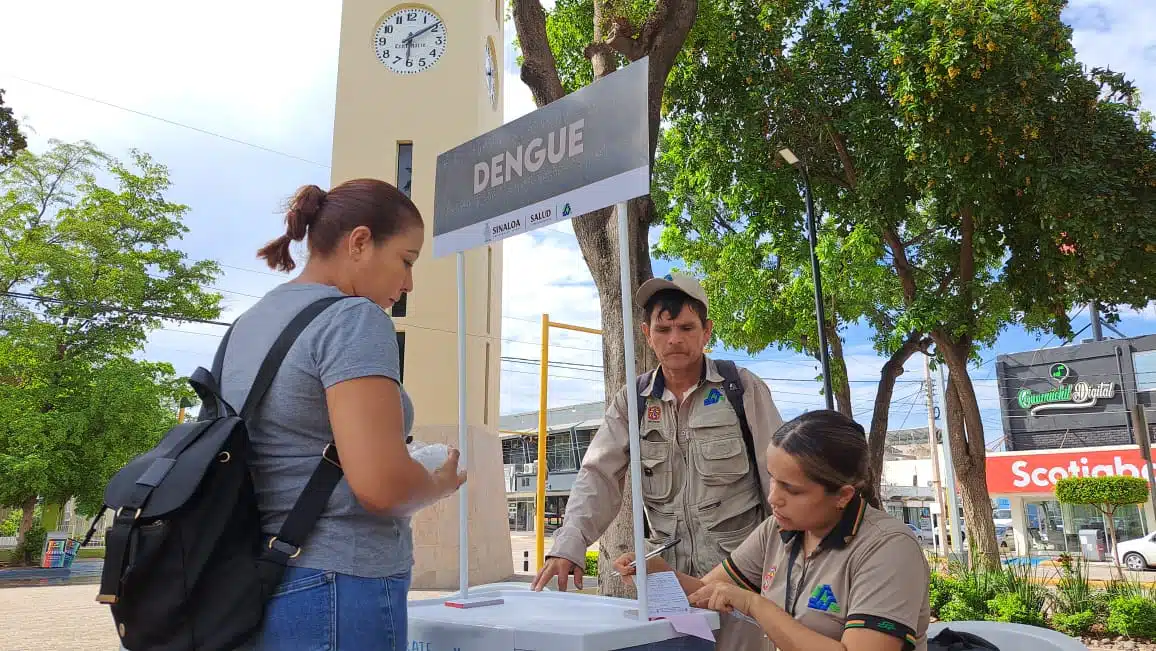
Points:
x=632 y=409
x=463 y=493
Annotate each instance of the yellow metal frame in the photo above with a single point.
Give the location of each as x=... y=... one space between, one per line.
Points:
x=540 y=495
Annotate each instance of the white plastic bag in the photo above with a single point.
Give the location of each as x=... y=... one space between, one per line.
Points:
x=430 y=455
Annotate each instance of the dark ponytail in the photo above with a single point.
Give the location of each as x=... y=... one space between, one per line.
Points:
x=832 y=450
x=303 y=210
x=326 y=216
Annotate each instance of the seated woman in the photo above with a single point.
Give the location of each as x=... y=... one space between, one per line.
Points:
x=828 y=570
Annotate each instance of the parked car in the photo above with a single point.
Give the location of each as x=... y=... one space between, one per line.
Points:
x=1138 y=554
x=922 y=535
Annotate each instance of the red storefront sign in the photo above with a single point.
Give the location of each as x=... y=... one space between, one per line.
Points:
x=1038 y=472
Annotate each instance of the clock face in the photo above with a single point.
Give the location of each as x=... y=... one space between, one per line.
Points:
x=410 y=40
x=491 y=73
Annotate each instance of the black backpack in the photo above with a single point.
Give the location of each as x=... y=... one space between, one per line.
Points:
x=186 y=563
x=949 y=640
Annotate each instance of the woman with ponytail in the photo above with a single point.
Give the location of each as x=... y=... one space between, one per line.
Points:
x=828 y=570
x=345 y=586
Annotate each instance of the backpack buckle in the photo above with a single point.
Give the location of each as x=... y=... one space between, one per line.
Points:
x=281 y=547
x=330 y=454
x=134 y=515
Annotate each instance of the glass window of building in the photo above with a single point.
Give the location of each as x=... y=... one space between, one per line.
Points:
x=1145 y=365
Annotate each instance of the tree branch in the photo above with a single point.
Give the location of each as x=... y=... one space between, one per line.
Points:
x=622 y=40
x=902 y=264
x=844 y=155
x=539 y=68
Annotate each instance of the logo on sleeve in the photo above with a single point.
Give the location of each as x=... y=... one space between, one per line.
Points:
x=768 y=578
x=711 y=398
x=823 y=598
x=654 y=413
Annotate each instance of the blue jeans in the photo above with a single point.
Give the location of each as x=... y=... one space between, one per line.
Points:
x=315 y=610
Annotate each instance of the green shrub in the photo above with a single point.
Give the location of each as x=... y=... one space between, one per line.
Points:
x=1074 y=624
x=1014 y=608
x=591 y=564
x=940 y=591
x=1074 y=594
x=30 y=551
x=1134 y=616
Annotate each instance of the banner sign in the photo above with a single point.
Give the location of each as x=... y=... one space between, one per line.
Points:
x=586 y=151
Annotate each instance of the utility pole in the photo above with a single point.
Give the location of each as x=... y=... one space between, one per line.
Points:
x=935 y=483
x=949 y=474
x=1097 y=330
x=1140 y=425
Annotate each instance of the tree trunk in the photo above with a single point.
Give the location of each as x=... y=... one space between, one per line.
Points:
x=1111 y=515
x=840 y=383
x=969 y=454
x=28 y=511
x=661 y=37
x=877 y=440
x=598 y=239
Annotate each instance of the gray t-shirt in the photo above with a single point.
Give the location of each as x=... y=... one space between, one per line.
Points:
x=352 y=338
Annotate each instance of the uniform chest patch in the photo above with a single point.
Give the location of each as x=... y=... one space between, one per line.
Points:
x=768 y=578
x=653 y=413
x=823 y=598
x=712 y=397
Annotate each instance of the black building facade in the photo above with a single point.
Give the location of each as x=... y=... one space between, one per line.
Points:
x=1076 y=396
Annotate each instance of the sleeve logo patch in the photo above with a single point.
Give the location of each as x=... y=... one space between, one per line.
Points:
x=823 y=598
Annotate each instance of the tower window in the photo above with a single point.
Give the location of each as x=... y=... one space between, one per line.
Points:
x=401 y=356
x=405 y=184
x=405 y=168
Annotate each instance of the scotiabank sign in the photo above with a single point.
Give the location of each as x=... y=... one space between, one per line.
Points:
x=1038 y=472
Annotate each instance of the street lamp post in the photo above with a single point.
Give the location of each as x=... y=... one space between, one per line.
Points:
x=812 y=238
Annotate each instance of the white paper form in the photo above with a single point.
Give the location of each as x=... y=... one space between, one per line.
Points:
x=666 y=600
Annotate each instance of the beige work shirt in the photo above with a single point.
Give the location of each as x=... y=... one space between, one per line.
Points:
x=868 y=572
x=698 y=482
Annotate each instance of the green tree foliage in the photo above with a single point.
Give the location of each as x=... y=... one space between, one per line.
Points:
x=928 y=128
x=12 y=142
x=86 y=270
x=1106 y=494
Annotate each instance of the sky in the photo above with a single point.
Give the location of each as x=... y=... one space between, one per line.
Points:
x=237 y=99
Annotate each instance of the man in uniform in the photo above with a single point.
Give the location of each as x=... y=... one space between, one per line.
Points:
x=703 y=469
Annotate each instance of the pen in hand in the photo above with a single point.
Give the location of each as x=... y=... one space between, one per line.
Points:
x=670 y=542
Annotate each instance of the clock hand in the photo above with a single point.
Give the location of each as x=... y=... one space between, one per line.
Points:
x=418 y=33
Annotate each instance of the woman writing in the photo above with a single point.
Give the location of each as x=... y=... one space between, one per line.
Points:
x=829 y=570
x=345 y=588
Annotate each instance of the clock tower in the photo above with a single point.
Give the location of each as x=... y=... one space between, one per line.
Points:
x=415 y=79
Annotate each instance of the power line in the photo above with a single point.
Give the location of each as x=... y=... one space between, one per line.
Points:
x=109 y=308
x=170 y=122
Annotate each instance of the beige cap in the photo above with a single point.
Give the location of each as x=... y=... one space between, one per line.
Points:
x=688 y=285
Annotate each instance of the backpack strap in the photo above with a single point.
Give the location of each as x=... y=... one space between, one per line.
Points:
x=733 y=387
x=208 y=387
x=314 y=497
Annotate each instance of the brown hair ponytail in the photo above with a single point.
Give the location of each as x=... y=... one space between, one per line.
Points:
x=303 y=210
x=326 y=216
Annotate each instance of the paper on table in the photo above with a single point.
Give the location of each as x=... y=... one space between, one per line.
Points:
x=692 y=624
x=665 y=596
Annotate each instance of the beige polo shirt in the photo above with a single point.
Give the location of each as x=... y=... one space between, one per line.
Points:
x=868 y=572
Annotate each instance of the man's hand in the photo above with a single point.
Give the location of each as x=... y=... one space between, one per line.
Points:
x=723 y=597
x=653 y=566
x=561 y=568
